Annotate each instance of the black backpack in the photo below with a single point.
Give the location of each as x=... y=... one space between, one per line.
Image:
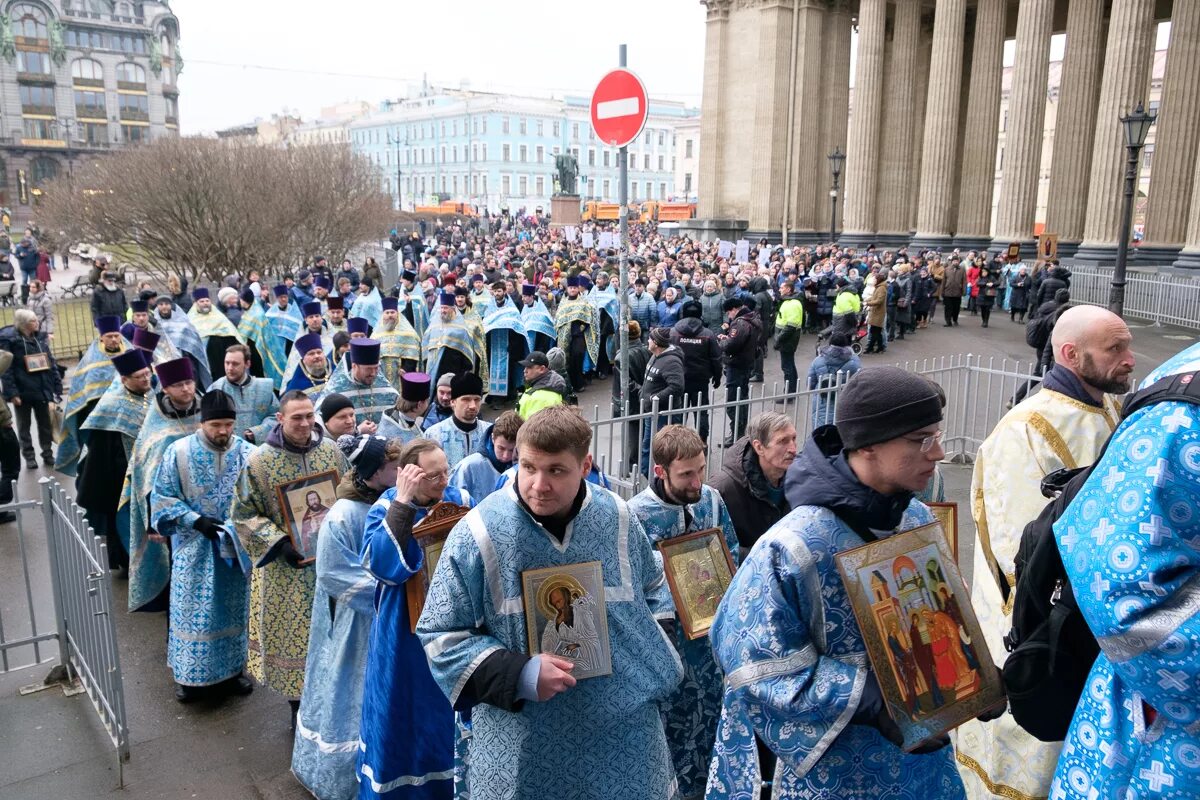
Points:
x=1051 y=649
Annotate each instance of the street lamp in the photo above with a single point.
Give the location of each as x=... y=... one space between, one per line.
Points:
x=837 y=160
x=1137 y=126
x=396 y=141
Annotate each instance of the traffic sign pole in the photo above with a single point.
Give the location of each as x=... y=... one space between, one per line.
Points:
x=623 y=255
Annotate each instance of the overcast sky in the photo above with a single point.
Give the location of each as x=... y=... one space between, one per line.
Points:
x=250 y=59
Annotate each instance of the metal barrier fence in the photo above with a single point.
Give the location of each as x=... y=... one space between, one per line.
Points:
x=73 y=328
x=83 y=635
x=979 y=391
x=1157 y=297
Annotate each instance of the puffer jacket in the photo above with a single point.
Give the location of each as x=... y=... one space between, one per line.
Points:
x=701 y=353
x=747 y=495
x=1057 y=278
x=664 y=380
x=822 y=374
x=32 y=387
x=644 y=311
x=712 y=312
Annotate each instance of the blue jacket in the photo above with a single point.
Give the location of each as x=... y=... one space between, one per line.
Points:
x=822 y=374
x=643 y=311
x=668 y=315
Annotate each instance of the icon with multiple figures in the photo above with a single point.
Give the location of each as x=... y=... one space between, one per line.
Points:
x=699 y=569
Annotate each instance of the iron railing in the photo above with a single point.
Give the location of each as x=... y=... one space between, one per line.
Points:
x=1153 y=296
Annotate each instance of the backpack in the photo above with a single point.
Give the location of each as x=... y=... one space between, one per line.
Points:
x=1050 y=647
x=1037 y=332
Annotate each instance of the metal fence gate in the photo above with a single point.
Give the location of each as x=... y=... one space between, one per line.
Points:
x=72 y=573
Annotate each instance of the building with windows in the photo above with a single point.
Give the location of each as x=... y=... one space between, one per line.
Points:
x=332 y=127
x=79 y=77
x=274 y=131
x=687 y=161
x=492 y=150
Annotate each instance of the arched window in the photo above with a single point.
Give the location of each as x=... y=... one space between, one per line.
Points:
x=165 y=41
x=43 y=169
x=28 y=20
x=128 y=72
x=87 y=69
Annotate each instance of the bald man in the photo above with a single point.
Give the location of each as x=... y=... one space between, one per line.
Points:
x=1064 y=424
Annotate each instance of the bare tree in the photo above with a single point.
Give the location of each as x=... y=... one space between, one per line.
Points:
x=203 y=208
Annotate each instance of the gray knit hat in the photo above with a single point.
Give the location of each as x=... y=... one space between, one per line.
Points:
x=884 y=403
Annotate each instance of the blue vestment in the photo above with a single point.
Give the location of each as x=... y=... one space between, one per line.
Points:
x=795 y=668
x=497 y=325
x=537 y=320
x=255 y=402
x=369 y=307
x=85 y=382
x=694 y=709
x=369 y=401
x=270 y=347
x=206 y=637
x=325 y=753
x=608 y=304
x=285 y=324
x=183 y=334
x=1130 y=544
x=454 y=335
x=457 y=443
x=477 y=474
x=414 y=309
x=602 y=738
x=408 y=730
x=394 y=425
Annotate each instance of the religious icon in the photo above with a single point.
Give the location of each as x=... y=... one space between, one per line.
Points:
x=37 y=362
x=1047 y=246
x=305 y=502
x=699 y=569
x=565 y=616
x=1014 y=252
x=430 y=534
x=925 y=644
x=947 y=517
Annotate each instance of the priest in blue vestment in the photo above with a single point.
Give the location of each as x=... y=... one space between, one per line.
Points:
x=86 y=382
x=368 y=304
x=363 y=382
x=173 y=324
x=408 y=727
x=412 y=302
x=190 y=502
x=479 y=472
x=284 y=318
x=253 y=397
x=797 y=675
x=537 y=730
x=406 y=421
x=1130 y=546
x=540 y=334
x=313 y=370
x=506 y=345
x=463 y=432
x=325 y=753
x=447 y=343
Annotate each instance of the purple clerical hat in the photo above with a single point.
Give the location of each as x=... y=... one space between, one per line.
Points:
x=311 y=309
x=391 y=304
x=364 y=352
x=280 y=290
x=130 y=361
x=414 y=386
x=446 y=299
x=358 y=325
x=145 y=339
x=175 y=371
x=108 y=324
x=200 y=293
x=308 y=342
x=335 y=303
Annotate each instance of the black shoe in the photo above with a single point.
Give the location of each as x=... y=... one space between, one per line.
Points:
x=48 y=461
x=188 y=694
x=237 y=686
x=7 y=516
x=30 y=464
x=295 y=704
x=985 y=324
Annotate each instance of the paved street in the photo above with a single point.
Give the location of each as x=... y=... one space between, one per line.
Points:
x=54 y=747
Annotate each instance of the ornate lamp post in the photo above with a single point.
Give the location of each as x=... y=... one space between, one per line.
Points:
x=837 y=160
x=1137 y=126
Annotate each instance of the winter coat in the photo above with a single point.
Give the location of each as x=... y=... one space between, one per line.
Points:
x=739 y=348
x=644 y=311
x=108 y=303
x=1057 y=278
x=639 y=357
x=350 y=273
x=664 y=380
x=32 y=387
x=234 y=314
x=954 y=282
x=789 y=322
x=547 y=390
x=826 y=294
x=747 y=495
x=41 y=306
x=822 y=374
x=712 y=311
x=701 y=354
x=987 y=289
x=877 y=307
x=937 y=271
x=765 y=307
x=972 y=282
x=668 y=315
x=1019 y=299
x=27 y=256
x=922 y=294
x=903 y=288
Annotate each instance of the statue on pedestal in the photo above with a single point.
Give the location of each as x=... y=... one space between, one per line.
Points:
x=568 y=170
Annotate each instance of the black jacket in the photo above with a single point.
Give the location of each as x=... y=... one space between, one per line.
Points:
x=32 y=387
x=701 y=353
x=639 y=357
x=664 y=380
x=1057 y=278
x=108 y=303
x=821 y=476
x=745 y=331
x=746 y=493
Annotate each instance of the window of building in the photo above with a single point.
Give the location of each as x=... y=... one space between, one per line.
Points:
x=134 y=106
x=649 y=195
x=86 y=40
x=443 y=154
x=539 y=129
x=687 y=148
x=575 y=131
x=165 y=46
x=87 y=70
x=31 y=63
x=591 y=157
x=443 y=184
x=36 y=128
x=662 y=191
x=454 y=185
x=454 y=154
x=556 y=150
x=89 y=103
x=523 y=126
x=474 y=125
x=523 y=184
x=483 y=150
x=504 y=124
x=541 y=186
x=443 y=128
x=646 y=162
x=505 y=185
x=506 y=152
x=43 y=169
x=1154 y=106
x=128 y=72
x=135 y=134
x=28 y=21
x=605 y=158
x=646 y=138
x=662 y=163
x=541 y=152
x=1148 y=158
x=483 y=125
x=556 y=129
x=454 y=127
x=604 y=194
x=37 y=99
x=94 y=133
x=524 y=152
x=687 y=183
x=485 y=184
x=172 y=109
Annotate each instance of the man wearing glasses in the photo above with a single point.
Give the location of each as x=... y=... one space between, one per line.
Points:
x=797 y=674
x=1064 y=425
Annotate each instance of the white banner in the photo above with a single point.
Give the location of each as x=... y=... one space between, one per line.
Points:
x=587 y=240
x=724 y=249
x=743 y=251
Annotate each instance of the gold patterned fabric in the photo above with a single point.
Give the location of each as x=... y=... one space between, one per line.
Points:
x=1046 y=432
x=281 y=596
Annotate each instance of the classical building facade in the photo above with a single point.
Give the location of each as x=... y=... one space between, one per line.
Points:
x=922 y=142
x=79 y=77
x=493 y=150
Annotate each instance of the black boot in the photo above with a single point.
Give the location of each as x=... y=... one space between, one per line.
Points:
x=188 y=694
x=237 y=686
x=295 y=704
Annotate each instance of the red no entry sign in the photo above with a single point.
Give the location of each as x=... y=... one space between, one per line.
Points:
x=619 y=108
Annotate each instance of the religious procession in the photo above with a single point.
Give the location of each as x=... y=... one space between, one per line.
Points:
x=382 y=504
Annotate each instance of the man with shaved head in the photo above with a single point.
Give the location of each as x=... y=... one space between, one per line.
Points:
x=1063 y=425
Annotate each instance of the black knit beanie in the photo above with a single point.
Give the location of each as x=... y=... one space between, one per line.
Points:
x=884 y=403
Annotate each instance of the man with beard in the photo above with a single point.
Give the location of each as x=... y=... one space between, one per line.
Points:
x=281 y=584
x=107 y=437
x=174 y=414
x=139 y=317
x=254 y=398
x=216 y=331
x=312 y=373
x=335 y=313
x=193 y=490
x=676 y=504
x=478 y=473
x=184 y=337
x=412 y=303
x=539 y=324
x=1065 y=424
x=506 y=346
x=87 y=380
x=363 y=384
x=448 y=345
x=314 y=325
x=577 y=334
x=284 y=319
x=463 y=433
x=440 y=409
x=399 y=345
x=406 y=421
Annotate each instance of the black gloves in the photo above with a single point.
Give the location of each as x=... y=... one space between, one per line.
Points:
x=208 y=526
x=291 y=555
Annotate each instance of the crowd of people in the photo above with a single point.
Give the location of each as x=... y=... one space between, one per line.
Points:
x=262 y=457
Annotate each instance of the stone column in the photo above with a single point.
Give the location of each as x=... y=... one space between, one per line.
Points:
x=983 y=112
x=1026 y=126
x=1175 y=140
x=896 y=167
x=808 y=217
x=1189 y=257
x=862 y=154
x=1075 y=127
x=769 y=153
x=835 y=103
x=923 y=59
x=711 y=140
x=1126 y=80
x=935 y=216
